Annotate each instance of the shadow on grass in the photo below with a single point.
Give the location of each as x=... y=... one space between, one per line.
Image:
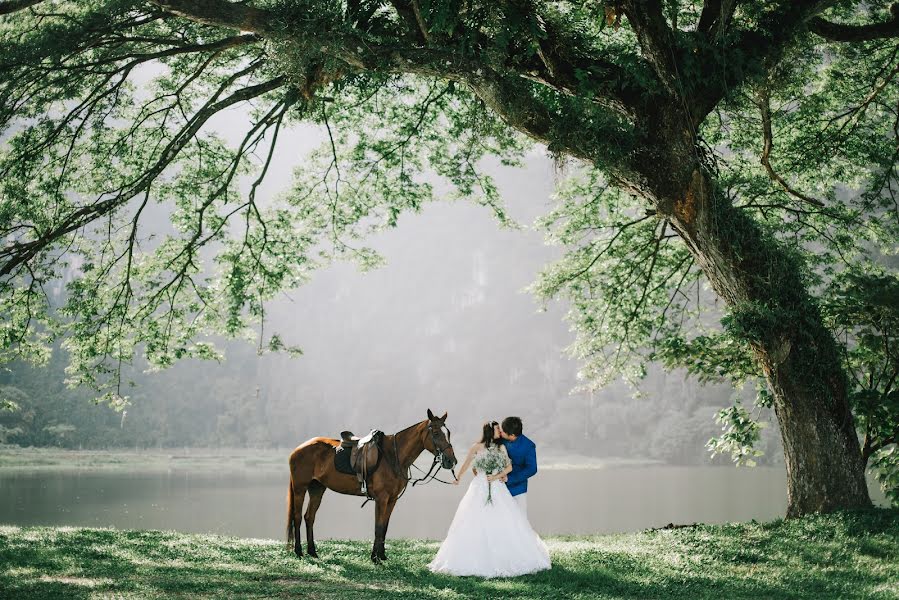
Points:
x=586 y=574
x=837 y=556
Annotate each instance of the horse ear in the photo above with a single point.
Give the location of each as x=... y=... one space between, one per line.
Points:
x=430 y=415
x=443 y=418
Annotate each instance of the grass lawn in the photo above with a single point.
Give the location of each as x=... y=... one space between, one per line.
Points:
x=845 y=555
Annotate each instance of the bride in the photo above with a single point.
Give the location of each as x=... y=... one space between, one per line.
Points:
x=490 y=536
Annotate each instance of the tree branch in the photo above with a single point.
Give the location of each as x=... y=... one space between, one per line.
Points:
x=11 y=6
x=222 y=14
x=559 y=65
x=222 y=44
x=514 y=103
x=652 y=265
x=411 y=18
x=837 y=32
x=19 y=253
x=750 y=52
x=655 y=38
x=598 y=255
x=421 y=21
x=512 y=97
x=715 y=17
x=615 y=89
x=765 y=108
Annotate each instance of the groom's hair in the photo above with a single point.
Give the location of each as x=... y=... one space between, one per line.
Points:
x=512 y=425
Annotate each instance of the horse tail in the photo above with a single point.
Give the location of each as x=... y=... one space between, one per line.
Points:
x=290 y=509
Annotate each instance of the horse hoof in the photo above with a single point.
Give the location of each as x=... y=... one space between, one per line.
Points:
x=299 y=553
x=375 y=559
x=312 y=554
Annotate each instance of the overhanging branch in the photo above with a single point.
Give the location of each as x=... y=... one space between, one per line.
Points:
x=11 y=6
x=222 y=14
x=18 y=253
x=716 y=15
x=655 y=38
x=837 y=32
x=768 y=145
x=749 y=50
x=611 y=86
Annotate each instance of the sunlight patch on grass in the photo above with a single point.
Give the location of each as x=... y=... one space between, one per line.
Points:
x=887 y=588
x=447 y=593
x=79 y=581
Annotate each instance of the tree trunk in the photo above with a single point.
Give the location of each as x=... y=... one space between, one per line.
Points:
x=768 y=304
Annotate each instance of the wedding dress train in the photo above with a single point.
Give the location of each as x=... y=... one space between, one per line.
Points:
x=490 y=540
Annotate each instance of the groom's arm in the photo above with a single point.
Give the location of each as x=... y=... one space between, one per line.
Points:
x=528 y=469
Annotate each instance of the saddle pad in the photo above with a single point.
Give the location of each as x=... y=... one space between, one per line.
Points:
x=342 y=461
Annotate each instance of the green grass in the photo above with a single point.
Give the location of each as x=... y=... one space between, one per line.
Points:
x=845 y=555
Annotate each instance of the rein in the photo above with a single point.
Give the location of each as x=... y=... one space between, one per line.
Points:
x=438 y=458
x=433 y=477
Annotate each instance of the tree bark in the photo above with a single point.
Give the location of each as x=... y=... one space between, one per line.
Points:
x=760 y=281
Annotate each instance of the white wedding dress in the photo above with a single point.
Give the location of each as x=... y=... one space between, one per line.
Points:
x=490 y=540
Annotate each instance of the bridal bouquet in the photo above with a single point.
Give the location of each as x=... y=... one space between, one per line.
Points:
x=490 y=462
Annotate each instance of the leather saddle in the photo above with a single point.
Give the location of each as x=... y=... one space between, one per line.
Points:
x=364 y=455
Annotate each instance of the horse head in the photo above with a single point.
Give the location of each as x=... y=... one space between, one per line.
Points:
x=437 y=442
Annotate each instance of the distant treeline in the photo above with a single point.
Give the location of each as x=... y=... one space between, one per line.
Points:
x=234 y=405
x=441 y=326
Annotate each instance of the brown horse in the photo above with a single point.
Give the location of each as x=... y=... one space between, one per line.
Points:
x=312 y=470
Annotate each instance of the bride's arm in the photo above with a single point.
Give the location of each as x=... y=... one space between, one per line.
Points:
x=505 y=471
x=471 y=452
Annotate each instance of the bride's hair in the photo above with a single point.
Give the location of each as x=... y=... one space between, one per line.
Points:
x=487 y=433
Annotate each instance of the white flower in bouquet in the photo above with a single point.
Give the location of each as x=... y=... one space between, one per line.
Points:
x=490 y=462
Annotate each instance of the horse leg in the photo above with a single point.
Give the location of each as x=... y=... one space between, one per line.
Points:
x=388 y=511
x=383 y=509
x=316 y=491
x=299 y=495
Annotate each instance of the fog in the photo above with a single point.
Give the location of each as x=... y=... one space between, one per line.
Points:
x=445 y=324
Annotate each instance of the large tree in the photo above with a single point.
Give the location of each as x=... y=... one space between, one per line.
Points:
x=107 y=106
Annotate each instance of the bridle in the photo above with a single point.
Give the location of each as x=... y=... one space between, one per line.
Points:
x=439 y=454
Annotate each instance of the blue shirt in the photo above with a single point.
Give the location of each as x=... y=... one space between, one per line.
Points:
x=523 y=454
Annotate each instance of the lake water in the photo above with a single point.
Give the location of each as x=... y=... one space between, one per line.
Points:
x=248 y=504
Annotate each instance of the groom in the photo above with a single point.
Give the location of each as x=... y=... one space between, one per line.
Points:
x=523 y=454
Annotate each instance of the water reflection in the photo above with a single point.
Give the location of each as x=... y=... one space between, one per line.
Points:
x=246 y=504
